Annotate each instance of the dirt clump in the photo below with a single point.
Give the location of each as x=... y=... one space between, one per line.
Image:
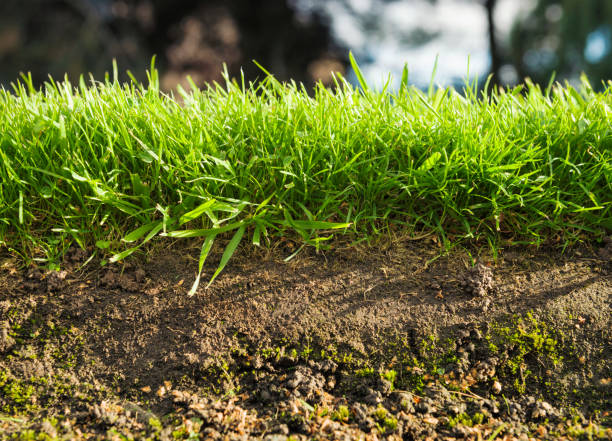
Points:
x=605 y=252
x=38 y=280
x=479 y=280
x=130 y=280
x=56 y=280
x=76 y=256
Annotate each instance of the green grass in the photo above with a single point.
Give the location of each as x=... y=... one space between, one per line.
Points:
x=100 y=161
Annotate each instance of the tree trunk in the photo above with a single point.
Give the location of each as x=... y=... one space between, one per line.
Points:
x=495 y=60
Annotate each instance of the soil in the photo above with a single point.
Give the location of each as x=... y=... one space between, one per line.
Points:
x=396 y=341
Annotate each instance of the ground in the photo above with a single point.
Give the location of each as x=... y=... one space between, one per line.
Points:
x=392 y=341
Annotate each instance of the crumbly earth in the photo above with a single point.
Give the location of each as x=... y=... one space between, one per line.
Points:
x=396 y=341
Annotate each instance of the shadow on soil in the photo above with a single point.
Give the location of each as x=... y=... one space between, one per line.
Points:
x=353 y=328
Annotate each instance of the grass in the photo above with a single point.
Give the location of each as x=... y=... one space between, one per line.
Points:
x=118 y=164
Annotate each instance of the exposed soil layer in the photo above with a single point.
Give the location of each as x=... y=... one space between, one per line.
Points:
x=391 y=342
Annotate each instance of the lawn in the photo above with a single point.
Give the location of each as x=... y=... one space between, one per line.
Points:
x=104 y=161
x=383 y=264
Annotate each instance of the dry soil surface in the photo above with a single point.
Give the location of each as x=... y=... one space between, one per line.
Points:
x=394 y=341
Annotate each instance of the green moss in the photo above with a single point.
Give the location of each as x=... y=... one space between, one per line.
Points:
x=341 y=414
x=466 y=420
x=390 y=375
x=15 y=395
x=114 y=434
x=380 y=413
x=591 y=431
x=364 y=372
x=532 y=345
x=305 y=354
x=188 y=430
x=27 y=435
x=385 y=422
x=390 y=424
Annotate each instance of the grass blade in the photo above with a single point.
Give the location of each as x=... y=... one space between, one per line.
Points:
x=256 y=234
x=205 y=231
x=404 y=82
x=157 y=226
x=139 y=232
x=358 y=74
x=430 y=162
x=197 y=212
x=228 y=252
x=206 y=246
x=318 y=225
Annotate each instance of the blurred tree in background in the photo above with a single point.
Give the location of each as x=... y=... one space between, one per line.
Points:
x=564 y=36
x=195 y=37
x=189 y=37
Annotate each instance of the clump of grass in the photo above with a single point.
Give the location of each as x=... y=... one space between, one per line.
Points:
x=99 y=161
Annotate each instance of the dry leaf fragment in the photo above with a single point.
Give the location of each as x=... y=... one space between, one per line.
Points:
x=542 y=431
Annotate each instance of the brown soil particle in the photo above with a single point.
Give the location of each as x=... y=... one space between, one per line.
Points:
x=55 y=280
x=605 y=252
x=6 y=341
x=479 y=280
x=76 y=256
x=395 y=342
x=128 y=280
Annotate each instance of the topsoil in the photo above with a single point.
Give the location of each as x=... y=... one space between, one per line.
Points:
x=397 y=341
